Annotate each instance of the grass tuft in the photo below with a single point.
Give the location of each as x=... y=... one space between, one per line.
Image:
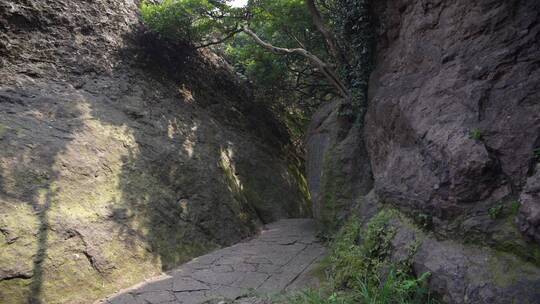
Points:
x=360 y=270
x=476 y=134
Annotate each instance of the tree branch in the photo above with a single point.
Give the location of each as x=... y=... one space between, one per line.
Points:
x=315 y=61
x=328 y=37
x=291 y=35
x=221 y=40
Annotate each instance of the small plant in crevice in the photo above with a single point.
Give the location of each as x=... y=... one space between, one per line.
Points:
x=495 y=211
x=396 y=289
x=514 y=207
x=476 y=134
x=536 y=153
x=424 y=220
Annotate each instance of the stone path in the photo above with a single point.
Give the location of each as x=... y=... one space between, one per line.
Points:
x=280 y=259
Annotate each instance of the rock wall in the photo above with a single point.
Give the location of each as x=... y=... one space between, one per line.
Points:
x=454 y=117
x=452 y=135
x=122 y=155
x=338 y=170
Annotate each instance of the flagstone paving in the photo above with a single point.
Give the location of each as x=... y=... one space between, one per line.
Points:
x=281 y=259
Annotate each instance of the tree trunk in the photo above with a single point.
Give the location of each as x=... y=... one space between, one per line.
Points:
x=331 y=42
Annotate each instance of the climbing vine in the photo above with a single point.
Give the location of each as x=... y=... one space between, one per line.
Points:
x=354 y=27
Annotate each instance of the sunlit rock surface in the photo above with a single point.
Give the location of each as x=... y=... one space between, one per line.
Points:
x=121 y=155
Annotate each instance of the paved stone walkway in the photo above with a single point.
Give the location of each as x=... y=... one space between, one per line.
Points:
x=280 y=259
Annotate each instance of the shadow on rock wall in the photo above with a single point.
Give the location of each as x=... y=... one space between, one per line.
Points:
x=37 y=126
x=110 y=177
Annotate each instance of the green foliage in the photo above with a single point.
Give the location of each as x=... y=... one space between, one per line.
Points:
x=288 y=83
x=347 y=258
x=536 y=153
x=353 y=26
x=360 y=270
x=317 y=297
x=514 y=207
x=285 y=23
x=503 y=210
x=476 y=134
x=495 y=211
x=189 y=20
x=396 y=288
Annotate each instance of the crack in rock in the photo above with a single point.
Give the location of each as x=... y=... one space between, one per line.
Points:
x=270 y=264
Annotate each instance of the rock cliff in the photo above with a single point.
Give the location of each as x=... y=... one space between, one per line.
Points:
x=450 y=141
x=122 y=155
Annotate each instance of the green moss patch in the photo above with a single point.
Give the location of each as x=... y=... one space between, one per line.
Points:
x=334 y=187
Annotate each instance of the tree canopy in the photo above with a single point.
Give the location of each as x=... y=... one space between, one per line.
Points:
x=285 y=24
x=291 y=50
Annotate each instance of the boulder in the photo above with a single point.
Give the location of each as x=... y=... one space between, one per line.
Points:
x=454 y=118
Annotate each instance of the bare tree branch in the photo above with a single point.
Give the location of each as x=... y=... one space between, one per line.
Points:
x=326 y=69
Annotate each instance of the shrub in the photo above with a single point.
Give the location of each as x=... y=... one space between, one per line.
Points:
x=495 y=211
x=360 y=270
x=476 y=134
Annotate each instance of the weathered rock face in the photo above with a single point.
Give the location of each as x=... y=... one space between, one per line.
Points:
x=459 y=273
x=121 y=155
x=454 y=115
x=452 y=136
x=529 y=217
x=338 y=170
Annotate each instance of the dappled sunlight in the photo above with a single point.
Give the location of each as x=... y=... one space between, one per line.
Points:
x=244 y=212
x=57 y=187
x=172 y=129
x=186 y=94
x=15 y=174
x=190 y=139
x=227 y=164
x=92 y=183
x=103 y=187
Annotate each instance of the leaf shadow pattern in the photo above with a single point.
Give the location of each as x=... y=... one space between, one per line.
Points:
x=204 y=168
x=117 y=176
